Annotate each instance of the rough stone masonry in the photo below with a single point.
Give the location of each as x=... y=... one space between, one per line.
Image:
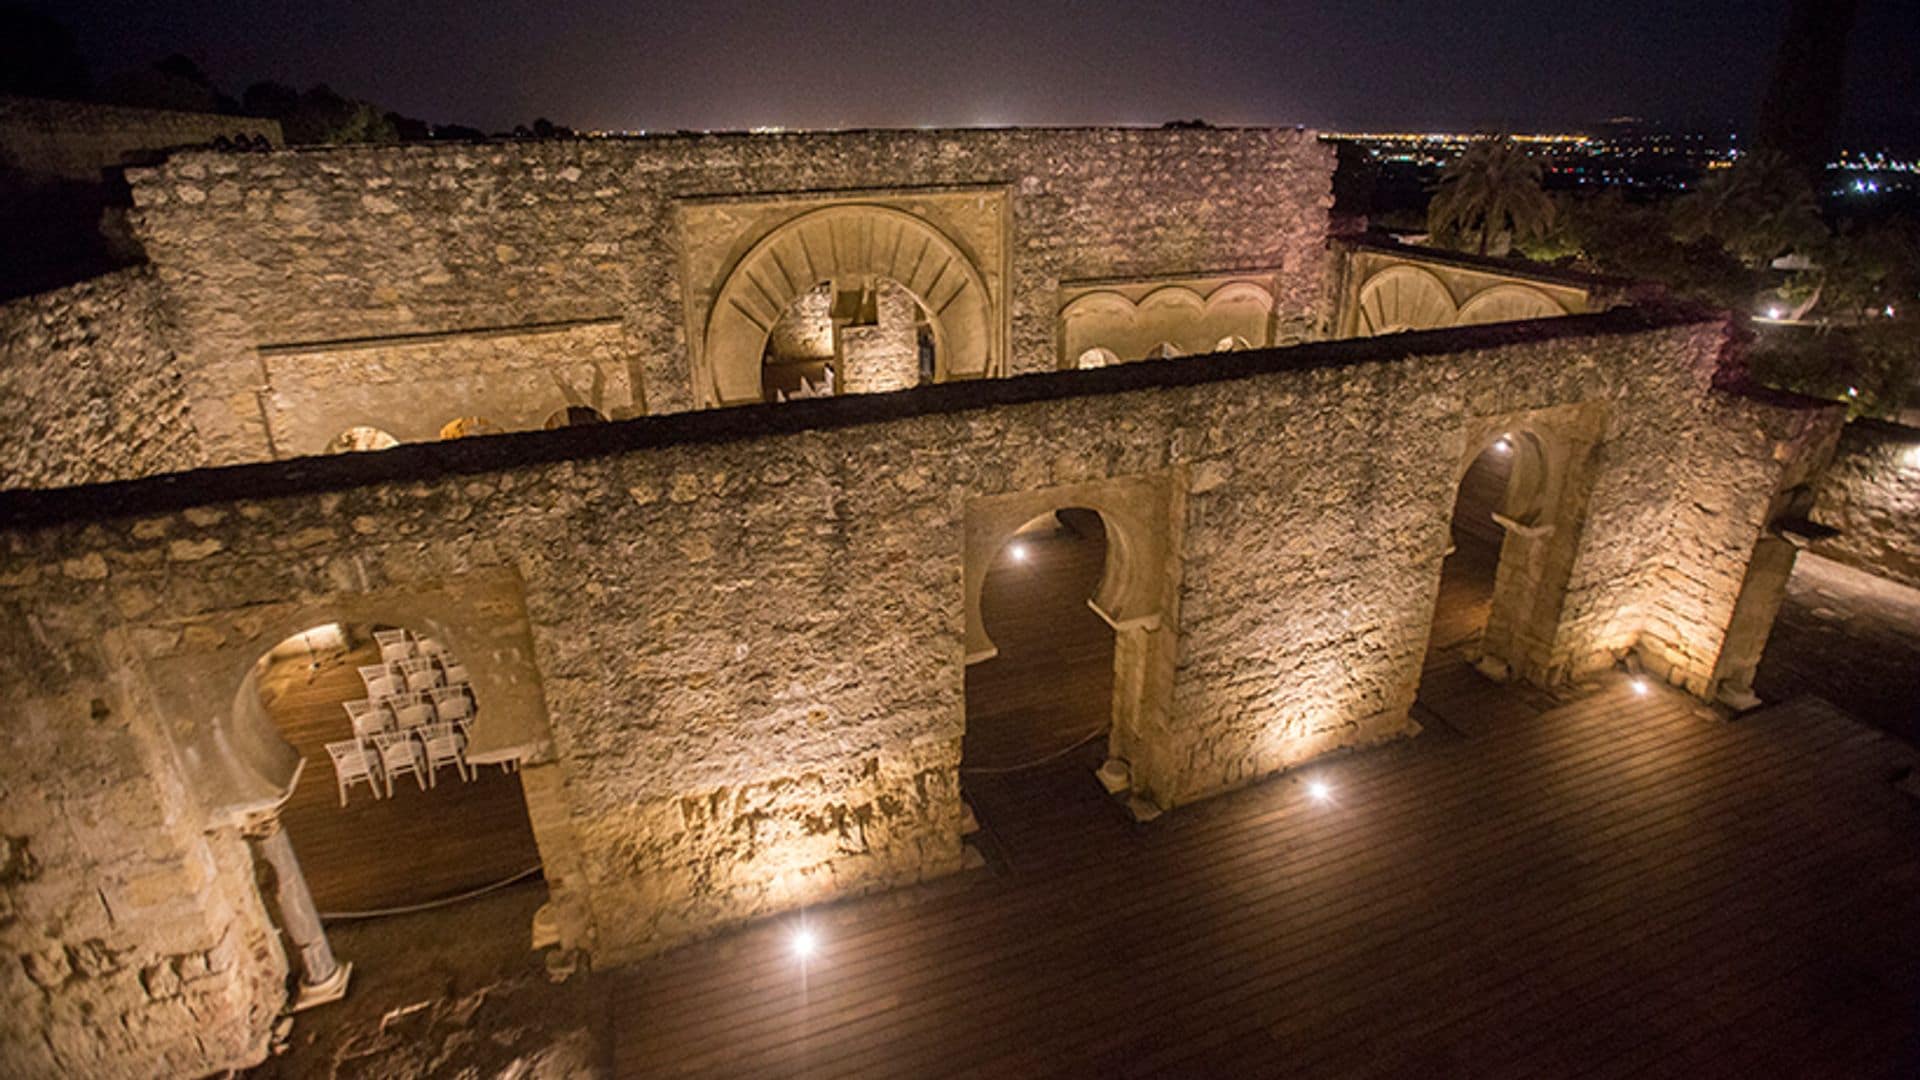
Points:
x=729 y=645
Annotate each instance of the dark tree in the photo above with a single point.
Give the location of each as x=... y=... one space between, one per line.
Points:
x=38 y=57
x=1801 y=110
x=173 y=83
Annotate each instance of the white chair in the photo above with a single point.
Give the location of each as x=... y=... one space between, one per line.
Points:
x=451 y=704
x=421 y=674
x=373 y=676
x=430 y=647
x=400 y=753
x=416 y=712
x=354 y=763
x=394 y=644
x=444 y=744
x=457 y=675
x=369 y=718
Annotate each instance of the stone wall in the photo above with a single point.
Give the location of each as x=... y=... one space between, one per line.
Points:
x=299 y=247
x=134 y=943
x=1871 y=493
x=749 y=624
x=77 y=140
x=89 y=387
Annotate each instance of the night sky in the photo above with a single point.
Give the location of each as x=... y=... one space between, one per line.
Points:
x=604 y=64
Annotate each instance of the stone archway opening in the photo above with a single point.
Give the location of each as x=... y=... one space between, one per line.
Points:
x=1518 y=503
x=359 y=438
x=574 y=416
x=855 y=247
x=1474 y=538
x=464 y=426
x=385 y=813
x=858 y=333
x=1040 y=710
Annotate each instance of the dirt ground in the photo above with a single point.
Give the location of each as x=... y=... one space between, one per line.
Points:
x=454 y=992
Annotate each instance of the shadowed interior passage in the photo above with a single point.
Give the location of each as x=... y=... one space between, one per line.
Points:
x=1038 y=711
x=377 y=853
x=1051 y=684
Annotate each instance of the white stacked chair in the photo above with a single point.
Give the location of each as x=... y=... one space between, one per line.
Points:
x=394 y=645
x=369 y=718
x=452 y=705
x=421 y=674
x=415 y=712
x=429 y=647
x=354 y=763
x=457 y=675
x=400 y=753
x=444 y=744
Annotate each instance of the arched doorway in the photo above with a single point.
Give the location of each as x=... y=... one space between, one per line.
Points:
x=361 y=438
x=858 y=334
x=1496 y=610
x=853 y=246
x=464 y=426
x=1040 y=710
x=574 y=416
x=387 y=812
x=1473 y=554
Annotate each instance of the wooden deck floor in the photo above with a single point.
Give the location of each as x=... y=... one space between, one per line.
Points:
x=378 y=853
x=1616 y=886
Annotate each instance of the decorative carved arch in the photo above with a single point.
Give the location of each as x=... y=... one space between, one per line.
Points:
x=1236 y=293
x=1131 y=587
x=1096 y=303
x=1508 y=303
x=1404 y=298
x=845 y=241
x=1173 y=296
x=1175 y=315
x=1535 y=470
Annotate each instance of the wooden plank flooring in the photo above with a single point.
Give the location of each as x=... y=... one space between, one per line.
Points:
x=1625 y=885
x=379 y=853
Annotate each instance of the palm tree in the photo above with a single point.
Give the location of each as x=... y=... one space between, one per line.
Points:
x=1492 y=191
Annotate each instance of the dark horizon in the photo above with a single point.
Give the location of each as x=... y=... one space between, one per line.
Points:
x=601 y=66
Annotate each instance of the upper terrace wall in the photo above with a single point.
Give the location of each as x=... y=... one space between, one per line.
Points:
x=77 y=140
x=89 y=387
x=749 y=624
x=375 y=247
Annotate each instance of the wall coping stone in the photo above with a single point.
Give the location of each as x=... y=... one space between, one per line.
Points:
x=413 y=462
x=1507 y=267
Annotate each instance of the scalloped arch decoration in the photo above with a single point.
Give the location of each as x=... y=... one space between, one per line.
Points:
x=1174 y=319
x=1404 y=298
x=846 y=241
x=1508 y=303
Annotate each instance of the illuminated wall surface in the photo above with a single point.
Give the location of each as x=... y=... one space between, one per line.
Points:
x=730 y=644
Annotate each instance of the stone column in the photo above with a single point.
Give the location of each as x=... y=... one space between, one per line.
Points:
x=322 y=978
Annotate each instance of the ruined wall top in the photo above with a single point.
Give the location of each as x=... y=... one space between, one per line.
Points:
x=75 y=140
